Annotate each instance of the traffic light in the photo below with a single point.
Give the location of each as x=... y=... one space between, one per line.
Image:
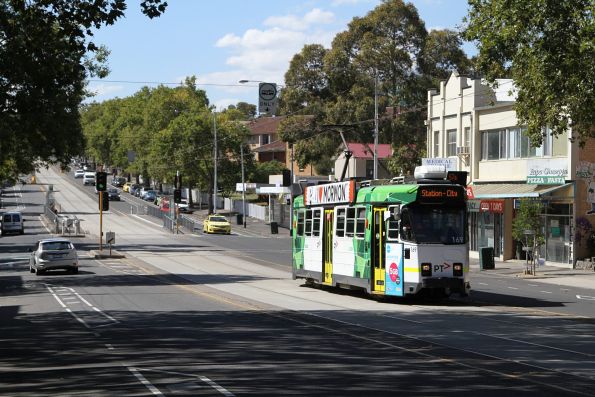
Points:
x=177 y=196
x=101 y=181
x=178 y=182
x=104 y=201
x=286 y=178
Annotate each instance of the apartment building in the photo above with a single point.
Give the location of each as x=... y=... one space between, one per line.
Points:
x=473 y=128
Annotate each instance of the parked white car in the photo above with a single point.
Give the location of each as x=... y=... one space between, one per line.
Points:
x=79 y=173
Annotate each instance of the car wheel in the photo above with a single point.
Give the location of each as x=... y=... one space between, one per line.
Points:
x=31 y=269
x=39 y=272
x=22 y=231
x=74 y=270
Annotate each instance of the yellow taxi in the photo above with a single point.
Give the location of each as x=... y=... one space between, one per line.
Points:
x=216 y=224
x=126 y=186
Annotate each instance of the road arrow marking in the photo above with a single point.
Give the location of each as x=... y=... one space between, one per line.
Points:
x=586 y=297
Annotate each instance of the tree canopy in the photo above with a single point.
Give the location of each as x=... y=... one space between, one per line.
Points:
x=45 y=57
x=389 y=52
x=547 y=47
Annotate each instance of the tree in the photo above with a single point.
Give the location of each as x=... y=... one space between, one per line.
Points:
x=45 y=57
x=261 y=171
x=547 y=48
x=527 y=227
x=388 y=51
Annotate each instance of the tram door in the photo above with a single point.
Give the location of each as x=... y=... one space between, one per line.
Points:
x=328 y=247
x=378 y=244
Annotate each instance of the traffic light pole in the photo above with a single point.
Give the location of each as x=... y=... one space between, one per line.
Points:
x=100 y=221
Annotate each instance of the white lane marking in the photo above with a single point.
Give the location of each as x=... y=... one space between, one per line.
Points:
x=512 y=288
x=81 y=299
x=586 y=297
x=148 y=221
x=215 y=386
x=109 y=346
x=80 y=320
x=533 y=285
x=220 y=389
x=145 y=382
x=546 y=292
x=482 y=283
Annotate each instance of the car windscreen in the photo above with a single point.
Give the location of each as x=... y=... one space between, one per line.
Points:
x=217 y=219
x=11 y=218
x=56 y=246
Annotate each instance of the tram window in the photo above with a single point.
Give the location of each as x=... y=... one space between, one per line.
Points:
x=392 y=227
x=340 y=229
x=350 y=222
x=360 y=222
x=316 y=223
x=300 y=223
x=308 y=229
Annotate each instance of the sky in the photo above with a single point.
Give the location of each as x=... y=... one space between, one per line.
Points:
x=224 y=41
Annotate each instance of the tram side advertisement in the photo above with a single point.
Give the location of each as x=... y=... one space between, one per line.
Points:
x=394 y=270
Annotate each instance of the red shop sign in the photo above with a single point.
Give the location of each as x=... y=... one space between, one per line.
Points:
x=495 y=206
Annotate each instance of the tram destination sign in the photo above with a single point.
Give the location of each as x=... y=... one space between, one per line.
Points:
x=330 y=193
x=439 y=194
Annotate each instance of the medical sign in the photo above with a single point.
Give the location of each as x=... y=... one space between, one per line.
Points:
x=330 y=193
x=394 y=269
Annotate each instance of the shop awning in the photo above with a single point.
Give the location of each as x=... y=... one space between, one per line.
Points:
x=513 y=190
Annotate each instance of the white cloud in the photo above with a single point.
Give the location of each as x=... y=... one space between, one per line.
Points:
x=103 y=89
x=293 y=22
x=337 y=3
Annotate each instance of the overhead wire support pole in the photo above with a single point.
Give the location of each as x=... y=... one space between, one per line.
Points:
x=215 y=164
x=375 y=124
x=243 y=186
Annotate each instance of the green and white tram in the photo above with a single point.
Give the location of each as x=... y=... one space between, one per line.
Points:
x=389 y=239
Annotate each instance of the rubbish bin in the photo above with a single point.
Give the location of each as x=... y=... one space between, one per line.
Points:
x=486 y=258
x=274 y=228
x=240 y=219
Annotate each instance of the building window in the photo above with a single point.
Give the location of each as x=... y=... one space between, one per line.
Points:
x=436 y=143
x=451 y=142
x=467 y=137
x=264 y=140
x=513 y=143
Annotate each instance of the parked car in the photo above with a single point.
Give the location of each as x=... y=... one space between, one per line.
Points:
x=79 y=173
x=216 y=224
x=113 y=194
x=53 y=253
x=89 y=178
x=12 y=222
x=133 y=188
x=141 y=191
x=184 y=208
x=149 y=195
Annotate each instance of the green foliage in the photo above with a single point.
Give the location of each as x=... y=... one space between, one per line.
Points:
x=169 y=130
x=336 y=87
x=45 y=57
x=528 y=217
x=547 y=47
x=404 y=160
x=261 y=171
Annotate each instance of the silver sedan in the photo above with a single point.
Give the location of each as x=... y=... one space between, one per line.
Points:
x=53 y=253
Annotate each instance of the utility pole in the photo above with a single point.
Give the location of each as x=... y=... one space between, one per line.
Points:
x=291 y=196
x=375 y=124
x=243 y=186
x=215 y=156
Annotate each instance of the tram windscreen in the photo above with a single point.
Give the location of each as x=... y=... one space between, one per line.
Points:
x=433 y=224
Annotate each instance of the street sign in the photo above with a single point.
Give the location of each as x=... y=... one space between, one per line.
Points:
x=110 y=237
x=267 y=98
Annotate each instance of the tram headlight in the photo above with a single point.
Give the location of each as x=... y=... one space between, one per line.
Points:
x=457 y=269
x=426 y=269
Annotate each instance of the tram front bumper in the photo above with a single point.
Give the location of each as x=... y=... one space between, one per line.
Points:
x=453 y=284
